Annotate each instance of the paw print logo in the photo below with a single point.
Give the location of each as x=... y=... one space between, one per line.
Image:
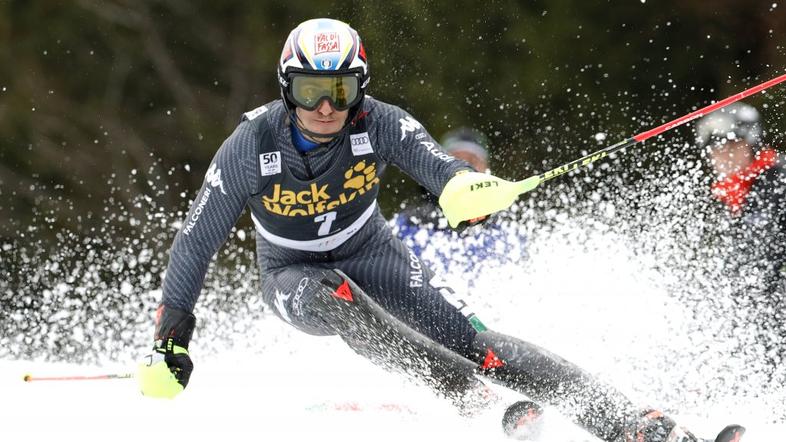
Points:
x=361 y=177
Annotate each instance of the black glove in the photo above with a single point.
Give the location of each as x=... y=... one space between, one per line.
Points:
x=165 y=372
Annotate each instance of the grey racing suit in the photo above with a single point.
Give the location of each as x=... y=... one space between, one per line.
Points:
x=317 y=221
x=316 y=212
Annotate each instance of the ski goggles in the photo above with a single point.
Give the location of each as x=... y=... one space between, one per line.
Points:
x=307 y=91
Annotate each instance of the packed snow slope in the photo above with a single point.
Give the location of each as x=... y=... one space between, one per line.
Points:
x=611 y=268
x=599 y=306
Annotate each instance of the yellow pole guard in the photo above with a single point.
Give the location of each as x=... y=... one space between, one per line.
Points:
x=473 y=195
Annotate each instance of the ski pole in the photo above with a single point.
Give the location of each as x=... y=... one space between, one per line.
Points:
x=31 y=378
x=531 y=183
x=486 y=197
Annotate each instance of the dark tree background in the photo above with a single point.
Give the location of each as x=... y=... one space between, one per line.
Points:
x=111 y=110
x=102 y=102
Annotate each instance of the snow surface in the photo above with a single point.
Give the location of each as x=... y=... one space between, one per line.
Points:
x=596 y=305
x=614 y=276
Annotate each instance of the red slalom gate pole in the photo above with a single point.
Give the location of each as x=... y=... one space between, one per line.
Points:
x=711 y=108
x=31 y=378
x=532 y=182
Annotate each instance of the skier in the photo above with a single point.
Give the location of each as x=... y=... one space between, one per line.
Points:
x=424 y=229
x=308 y=167
x=750 y=186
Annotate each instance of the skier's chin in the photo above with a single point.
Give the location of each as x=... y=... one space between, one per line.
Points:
x=322 y=122
x=325 y=127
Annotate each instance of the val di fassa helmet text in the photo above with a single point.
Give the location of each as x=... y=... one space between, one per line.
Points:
x=317 y=198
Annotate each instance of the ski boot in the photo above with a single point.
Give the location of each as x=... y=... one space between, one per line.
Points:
x=654 y=426
x=732 y=433
x=523 y=421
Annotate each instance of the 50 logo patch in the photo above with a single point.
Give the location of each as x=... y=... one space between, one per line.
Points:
x=270 y=163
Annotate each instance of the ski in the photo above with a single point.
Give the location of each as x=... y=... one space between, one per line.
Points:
x=523 y=420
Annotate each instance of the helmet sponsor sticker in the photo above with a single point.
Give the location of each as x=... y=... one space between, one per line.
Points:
x=326 y=42
x=281 y=80
x=361 y=144
x=270 y=163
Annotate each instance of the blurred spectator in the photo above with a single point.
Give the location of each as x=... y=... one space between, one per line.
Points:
x=469 y=145
x=750 y=185
x=422 y=224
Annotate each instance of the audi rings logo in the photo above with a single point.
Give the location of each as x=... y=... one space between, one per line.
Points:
x=360 y=139
x=361 y=144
